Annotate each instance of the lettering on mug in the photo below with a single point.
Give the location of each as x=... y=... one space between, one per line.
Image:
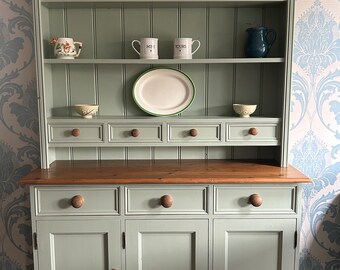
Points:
x=181 y=46
x=150 y=46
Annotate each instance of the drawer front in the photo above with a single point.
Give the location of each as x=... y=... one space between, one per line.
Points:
x=166 y=200
x=75 y=133
x=55 y=201
x=194 y=133
x=237 y=200
x=135 y=133
x=253 y=133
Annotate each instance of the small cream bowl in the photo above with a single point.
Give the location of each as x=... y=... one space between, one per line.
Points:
x=86 y=110
x=244 y=110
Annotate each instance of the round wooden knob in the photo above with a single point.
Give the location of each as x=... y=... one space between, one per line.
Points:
x=167 y=201
x=193 y=132
x=77 y=201
x=75 y=132
x=255 y=200
x=135 y=132
x=253 y=131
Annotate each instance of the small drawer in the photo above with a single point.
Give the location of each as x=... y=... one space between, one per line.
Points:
x=75 y=133
x=166 y=200
x=194 y=133
x=255 y=200
x=266 y=133
x=135 y=133
x=56 y=201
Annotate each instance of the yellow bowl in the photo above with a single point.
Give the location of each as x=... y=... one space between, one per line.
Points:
x=86 y=110
x=244 y=110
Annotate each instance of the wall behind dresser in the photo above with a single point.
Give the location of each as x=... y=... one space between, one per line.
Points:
x=314 y=140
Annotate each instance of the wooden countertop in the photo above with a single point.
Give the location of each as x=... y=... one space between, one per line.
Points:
x=162 y=172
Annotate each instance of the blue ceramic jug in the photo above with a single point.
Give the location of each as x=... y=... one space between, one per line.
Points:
x=259 y=41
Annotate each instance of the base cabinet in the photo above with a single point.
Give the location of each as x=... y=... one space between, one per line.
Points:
x=263 y=244
x=167 y=244
x=78 y=244
x=201 y=227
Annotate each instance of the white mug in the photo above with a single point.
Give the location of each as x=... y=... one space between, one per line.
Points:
x=183 y=48
x=65 y=48
x=148 y=48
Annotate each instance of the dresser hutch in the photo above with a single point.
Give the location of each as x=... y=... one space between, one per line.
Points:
x=201 y=190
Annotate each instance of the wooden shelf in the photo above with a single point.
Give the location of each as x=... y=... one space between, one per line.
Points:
x=163 y=172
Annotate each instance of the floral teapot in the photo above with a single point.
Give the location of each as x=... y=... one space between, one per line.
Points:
x=65 y=48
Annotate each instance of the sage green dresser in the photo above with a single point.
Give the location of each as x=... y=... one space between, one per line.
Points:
x=201 y=190
x=154 y=215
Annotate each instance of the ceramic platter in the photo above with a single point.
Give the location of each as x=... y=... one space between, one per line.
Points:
x=163 y=91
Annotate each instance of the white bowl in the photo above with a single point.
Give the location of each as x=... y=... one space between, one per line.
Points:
x=244 y=110
x=86 y=110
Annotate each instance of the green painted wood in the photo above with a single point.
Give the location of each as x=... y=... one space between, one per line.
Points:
x=88 y=133
x=110 y=90
x=82 y=85
x=57 y=27
x=116 y=153
x=146 y=200
x=63 y=153
x=221 y=32
x=165 y=153
x=234 y=200
x=266 y=244
x=205 y=132
x=139 y=153
x=167 y=244
x=137 y=24
x=59 y=91
x=165 y=28
x=108 y=33
x=56 y=201
x=89 y=153
x=174 y=62
x=81 y=30
x=146 y=133
x=85 y=244
x=187 y=152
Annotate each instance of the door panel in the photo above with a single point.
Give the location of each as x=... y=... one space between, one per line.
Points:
x=79 y=245
x=167 y=244
x=258 y=244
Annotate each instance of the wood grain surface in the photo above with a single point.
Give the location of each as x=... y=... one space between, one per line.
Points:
x=162 y=172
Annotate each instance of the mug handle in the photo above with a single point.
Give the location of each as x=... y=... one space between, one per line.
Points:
x=80 y=46
x=199 y=45
x=132 y=43
x=273 y=37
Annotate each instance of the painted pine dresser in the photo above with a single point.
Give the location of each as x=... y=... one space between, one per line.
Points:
x=203 y=190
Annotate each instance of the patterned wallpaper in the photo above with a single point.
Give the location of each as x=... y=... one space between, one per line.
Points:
x=315 y=129
x=314 y=140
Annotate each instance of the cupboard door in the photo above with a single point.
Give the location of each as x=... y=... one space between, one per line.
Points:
x=243 y=244
x=167 y=244
x=79 y=244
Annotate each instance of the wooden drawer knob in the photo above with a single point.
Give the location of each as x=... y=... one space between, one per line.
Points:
x=255 y=200
x=167 y=201
x=75 y=132
x=135 y=132
x=193 y=132
x=253 y=131
x=77 y=201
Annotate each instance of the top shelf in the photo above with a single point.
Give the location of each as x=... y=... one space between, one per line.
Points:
x=167 y=61
x=157 y=3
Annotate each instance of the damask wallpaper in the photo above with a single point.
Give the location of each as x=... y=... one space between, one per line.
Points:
x=315 y=129
x=314 y=139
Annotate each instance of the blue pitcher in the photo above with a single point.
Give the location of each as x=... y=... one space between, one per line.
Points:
x=259 y=41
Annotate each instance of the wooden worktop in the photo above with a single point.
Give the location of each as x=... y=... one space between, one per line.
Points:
x=162 y=172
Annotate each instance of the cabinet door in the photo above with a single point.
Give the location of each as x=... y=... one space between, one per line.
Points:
x=167 y=244
x=79 y=245
x=259 y=244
